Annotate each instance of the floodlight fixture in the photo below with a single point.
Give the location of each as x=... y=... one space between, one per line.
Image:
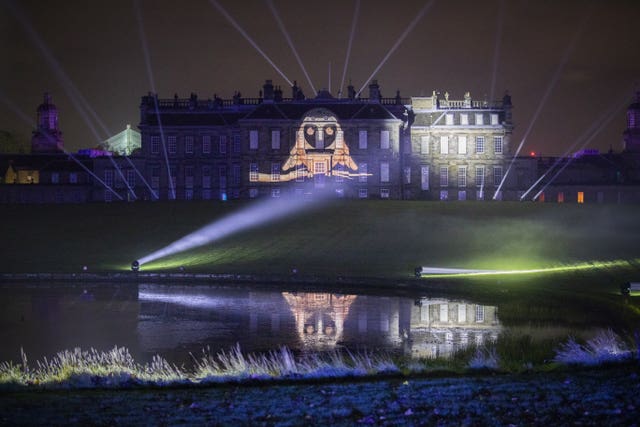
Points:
x=135 y=265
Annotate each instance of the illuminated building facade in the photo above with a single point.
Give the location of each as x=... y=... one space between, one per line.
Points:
x=375 y=147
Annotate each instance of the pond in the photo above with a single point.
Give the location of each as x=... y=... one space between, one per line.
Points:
x=175 y=321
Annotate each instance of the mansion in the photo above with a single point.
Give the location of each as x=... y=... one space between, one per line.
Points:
x=419 y=148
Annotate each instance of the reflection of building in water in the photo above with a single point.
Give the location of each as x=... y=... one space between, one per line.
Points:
x=319 y=317
x=439 y=327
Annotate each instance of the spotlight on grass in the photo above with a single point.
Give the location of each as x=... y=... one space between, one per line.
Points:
x=135 y=265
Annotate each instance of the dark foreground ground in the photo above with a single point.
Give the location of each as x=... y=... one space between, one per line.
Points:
x=604 y=396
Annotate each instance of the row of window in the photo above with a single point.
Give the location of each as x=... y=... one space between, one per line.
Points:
x=206 y=148
x=479 y=176
x=463 y=119
x=460 y=146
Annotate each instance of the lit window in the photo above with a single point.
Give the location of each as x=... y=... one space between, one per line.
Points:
x=424 y=144
x=479 y=119
x=223 y=144
x=462 y=195
x=73 y=178
x=363 y=172
x=424 y=177
x=253 y=140
x=462 y=144
x=363 y=193
x=384 y=193
x=444 y=195
x=275 y=172
x=494 y=119
x=384 y=171
x=462 y=176
x=497 y=144
x=479 y=144
x=362 y=139
x=188 y=144
x=275 y=192
x=407 y=174
x=580 y=196
x=173 y=145
x=384 y=139
x=464 y=119
x=479 y=313
x=448 y=119
x=444 y=176
x=253 y=172
x=275 y=139
x=206 y=144
x=444 y=144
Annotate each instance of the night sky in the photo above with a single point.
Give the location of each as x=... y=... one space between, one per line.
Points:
x=194 y=48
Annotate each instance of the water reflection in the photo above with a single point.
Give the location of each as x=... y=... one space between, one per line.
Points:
x=174 y=321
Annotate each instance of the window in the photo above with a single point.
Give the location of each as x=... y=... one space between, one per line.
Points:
x=384 y=193
x=275 y=172
x=479 y=176
x=424 y=177
x=108 y=196
x=155 y=145
x=464 y=119
x=462 y=176
x=448 y=119
x=494 y=119
x=462 y=195
x=236 y=172
x=462 y=144
x=363 y=172
x=206 y=194
x=497 y=144
x=253 y=193
x=384 y=171
x=384 y=139
x=479 y=119
x=407 y=174
x=580 y=197
x=275 y=139
x=362 y=139
x=222 y=146
x=363 y=193
x=444 y=195
x=560 y=197
x=253 y=140
x=301 y=172
x=108 y=177
x=480 y=194
x=188 y=194
x=222 y=174
x=73 y=178
x=275 y=192
x=444 y=144
x=424 y=144
x=155 y=177
x=131 y=178
x=479 y=313
x=188 y=176
x=253 y=172
x=206 y=144
x=173 y=145
x=497 y=175
x=188 y=144
x=479 y=144
x=206 y=177
x=237 y=145
x=444 y=176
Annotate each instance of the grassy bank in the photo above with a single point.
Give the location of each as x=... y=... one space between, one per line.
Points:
x=340 y=238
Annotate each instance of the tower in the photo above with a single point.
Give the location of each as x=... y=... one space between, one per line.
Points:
x=47 y=138
x=631 y=135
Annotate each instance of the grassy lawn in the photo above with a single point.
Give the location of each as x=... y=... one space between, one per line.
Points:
x=340 y=238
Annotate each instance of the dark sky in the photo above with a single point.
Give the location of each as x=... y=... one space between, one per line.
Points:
x=193 y=48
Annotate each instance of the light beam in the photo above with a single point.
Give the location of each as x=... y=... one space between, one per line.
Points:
x=237 y=26
x=346 y=59
x=404 y=34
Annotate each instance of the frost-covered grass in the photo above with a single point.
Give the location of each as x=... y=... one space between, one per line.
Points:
x=605 y=347
x=117 y=368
